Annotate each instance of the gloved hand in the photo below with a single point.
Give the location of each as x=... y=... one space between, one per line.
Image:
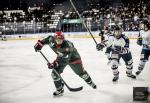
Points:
x=53 y=65
x=146 y=46
x=38 y=46
x=139 y=41
x=100 y=46
x=125 y=50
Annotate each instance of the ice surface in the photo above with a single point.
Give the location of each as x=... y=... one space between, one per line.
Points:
x=24 y=77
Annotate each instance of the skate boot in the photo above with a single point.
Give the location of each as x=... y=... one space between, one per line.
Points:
x=115 y=78
x=131 y=75
x=58 y=92
x=138 y=72
x=92 y=85
x=140 y=68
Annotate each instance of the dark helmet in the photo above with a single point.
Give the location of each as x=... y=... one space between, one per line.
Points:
x=106 y=30
x=117 y=28
x=146 y=24
x=117 y=31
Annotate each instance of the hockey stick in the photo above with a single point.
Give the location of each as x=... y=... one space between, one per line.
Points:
x=71 y=89
x=83 y=22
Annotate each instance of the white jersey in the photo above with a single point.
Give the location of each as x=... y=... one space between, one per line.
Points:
x=123 y=41
x=145 y=35
x=106 y=36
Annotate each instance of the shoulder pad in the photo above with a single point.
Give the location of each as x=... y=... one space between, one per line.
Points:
x=69 y=43
x=124 y=36
x=51 y=38
x=111 y=35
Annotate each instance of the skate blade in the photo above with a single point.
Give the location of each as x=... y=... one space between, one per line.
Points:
x=56 y=96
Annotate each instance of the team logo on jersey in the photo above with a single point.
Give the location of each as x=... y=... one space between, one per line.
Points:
x=51 y=44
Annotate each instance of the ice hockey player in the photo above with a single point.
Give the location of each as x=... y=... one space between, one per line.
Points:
x=67 y=54
x=144 y=40
x=119 y=45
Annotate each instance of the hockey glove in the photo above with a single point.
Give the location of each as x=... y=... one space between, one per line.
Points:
x=38 y=46
x=146 y=46
x=52 y=65
x=139 y=41
x=125 y=50
x=100 y=46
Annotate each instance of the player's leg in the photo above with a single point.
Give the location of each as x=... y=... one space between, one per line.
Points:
x=108 y=54
x=129 y=64
x=143 y=59
x=57 y=81
x=114 y=68
x=79 y=70
x=115 y=60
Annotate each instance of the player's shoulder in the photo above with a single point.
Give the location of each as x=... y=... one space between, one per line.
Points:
x=111 y=36
x=68 y=43
x=124 y=36
x=48 y=39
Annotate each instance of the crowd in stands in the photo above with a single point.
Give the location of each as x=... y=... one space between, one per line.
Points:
x=129 y=15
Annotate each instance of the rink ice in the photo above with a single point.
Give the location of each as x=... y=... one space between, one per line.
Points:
x=24 y=77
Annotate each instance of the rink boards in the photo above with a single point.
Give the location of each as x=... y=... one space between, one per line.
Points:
x=130 y=34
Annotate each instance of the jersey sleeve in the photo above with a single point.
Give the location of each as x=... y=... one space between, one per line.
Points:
x=127 y=42
x=48 y=40
x=109 y=41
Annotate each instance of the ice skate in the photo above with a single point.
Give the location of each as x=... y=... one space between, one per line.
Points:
x=93 y=85
x=58 y=92
x=115 y=78
x=131 y=76
x=138 y=72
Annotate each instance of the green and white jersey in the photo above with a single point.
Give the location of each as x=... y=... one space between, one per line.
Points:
x=66 y=52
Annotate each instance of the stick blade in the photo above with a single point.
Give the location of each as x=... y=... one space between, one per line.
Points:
x=76 y=89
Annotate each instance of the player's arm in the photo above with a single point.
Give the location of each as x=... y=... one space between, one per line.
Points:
x=125 y=49
x=139 y=40
x=106 y=43
x=127 y=41
x=40 y=43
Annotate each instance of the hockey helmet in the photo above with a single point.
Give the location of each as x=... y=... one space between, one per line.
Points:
x=146 y=24
x=117 y=31
x=106 y=30
x=59 y=37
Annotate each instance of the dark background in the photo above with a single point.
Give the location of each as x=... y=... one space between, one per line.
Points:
x=23 y=4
